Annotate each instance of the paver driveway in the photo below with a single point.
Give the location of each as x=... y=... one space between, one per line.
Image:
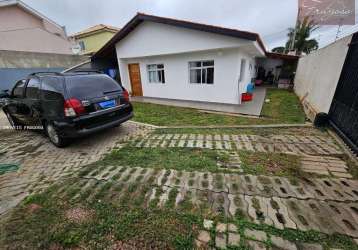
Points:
x=326 y=203
x=41 y=163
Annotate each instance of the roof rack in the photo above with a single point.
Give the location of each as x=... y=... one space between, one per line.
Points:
x=87 y=71
x=46 y=73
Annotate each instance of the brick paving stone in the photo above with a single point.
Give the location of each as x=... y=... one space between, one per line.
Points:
x=221 y=227
x=220 y=241
x=200 y=144
x=204 y=236
x=234 y=239
x=307 y=246
x=254 y=234
x=282 y=243
x=342 y=175
x=256 y=245
x=232 y=228
x=181 y=143
x=190 y=144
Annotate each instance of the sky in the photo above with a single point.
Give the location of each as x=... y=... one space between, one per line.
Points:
x=270 y=18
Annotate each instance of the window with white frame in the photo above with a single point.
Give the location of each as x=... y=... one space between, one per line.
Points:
x=156 y=73
x=201 y=72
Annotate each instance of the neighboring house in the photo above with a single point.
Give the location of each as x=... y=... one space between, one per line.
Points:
x=168 y=58
x=92 y=39
x=24 y=29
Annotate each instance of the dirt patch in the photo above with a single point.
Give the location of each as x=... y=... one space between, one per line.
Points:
x=79 y=215
x=55 y=246
x=33 y=208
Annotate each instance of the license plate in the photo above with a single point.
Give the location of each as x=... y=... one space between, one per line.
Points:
x=107 y=104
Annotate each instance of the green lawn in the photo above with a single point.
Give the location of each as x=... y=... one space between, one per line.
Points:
x=284 y=107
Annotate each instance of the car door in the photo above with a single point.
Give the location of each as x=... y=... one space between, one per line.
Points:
x=14 y=107
x=31 y=103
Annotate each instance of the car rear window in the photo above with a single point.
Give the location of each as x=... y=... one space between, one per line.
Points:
x=91 y=86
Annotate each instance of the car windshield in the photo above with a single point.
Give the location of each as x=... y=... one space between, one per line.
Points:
x=91 y=86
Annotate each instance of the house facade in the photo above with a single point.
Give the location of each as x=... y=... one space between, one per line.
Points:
x=92 y=39
x=24 y=29
x=173 y=59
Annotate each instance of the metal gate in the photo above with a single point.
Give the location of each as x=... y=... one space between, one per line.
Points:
x=344 y=109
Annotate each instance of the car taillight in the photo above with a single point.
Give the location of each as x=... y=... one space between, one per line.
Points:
x=73 y=107
x=126 y=95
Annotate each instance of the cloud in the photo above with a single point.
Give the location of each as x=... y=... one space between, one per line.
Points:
x=269 y=18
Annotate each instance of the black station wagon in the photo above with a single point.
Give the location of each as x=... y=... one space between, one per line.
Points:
x=67 y=105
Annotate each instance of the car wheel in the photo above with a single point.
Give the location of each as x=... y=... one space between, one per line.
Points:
x=54 y=137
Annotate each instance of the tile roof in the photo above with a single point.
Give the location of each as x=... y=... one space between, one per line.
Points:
x=96 y=28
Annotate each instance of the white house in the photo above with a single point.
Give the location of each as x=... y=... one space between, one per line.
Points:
x=174 y=59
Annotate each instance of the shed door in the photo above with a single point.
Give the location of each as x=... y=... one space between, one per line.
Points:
x=344 y=108
x=134 y=75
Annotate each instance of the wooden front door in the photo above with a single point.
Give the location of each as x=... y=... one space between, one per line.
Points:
x=136 y=83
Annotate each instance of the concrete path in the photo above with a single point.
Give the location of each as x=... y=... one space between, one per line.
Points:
x=249 y=108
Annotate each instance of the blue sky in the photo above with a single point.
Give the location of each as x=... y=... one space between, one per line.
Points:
x=269 y=18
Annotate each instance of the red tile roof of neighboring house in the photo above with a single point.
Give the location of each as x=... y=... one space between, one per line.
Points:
x=95 y=29
x=109 y=48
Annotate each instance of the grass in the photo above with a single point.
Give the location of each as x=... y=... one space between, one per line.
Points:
x=104 y=225
x=284 y=107
x=259 y=163
x=165 y=158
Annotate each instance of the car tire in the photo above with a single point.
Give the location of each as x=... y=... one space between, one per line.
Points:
x=13 y=122
x=54 y=136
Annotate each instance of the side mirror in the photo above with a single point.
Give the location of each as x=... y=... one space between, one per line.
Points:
x=4 y=94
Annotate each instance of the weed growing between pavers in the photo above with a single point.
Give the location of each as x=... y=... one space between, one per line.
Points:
x=168 y=158
x=327 y=241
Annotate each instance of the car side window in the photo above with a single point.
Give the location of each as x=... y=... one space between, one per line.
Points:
x=19 y=89
x=32 y=89
x=52 y=89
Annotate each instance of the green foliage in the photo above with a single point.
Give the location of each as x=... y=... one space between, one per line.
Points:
x=302 y=42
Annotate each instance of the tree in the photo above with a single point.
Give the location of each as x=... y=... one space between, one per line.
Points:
x=281 y=50
x=301 y=33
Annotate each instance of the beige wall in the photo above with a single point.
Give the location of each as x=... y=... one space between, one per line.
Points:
x=318 y=74
x=22 y=31
x=14 y=18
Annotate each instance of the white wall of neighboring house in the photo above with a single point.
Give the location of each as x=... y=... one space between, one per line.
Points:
x=318 y=74
x=153 y=43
